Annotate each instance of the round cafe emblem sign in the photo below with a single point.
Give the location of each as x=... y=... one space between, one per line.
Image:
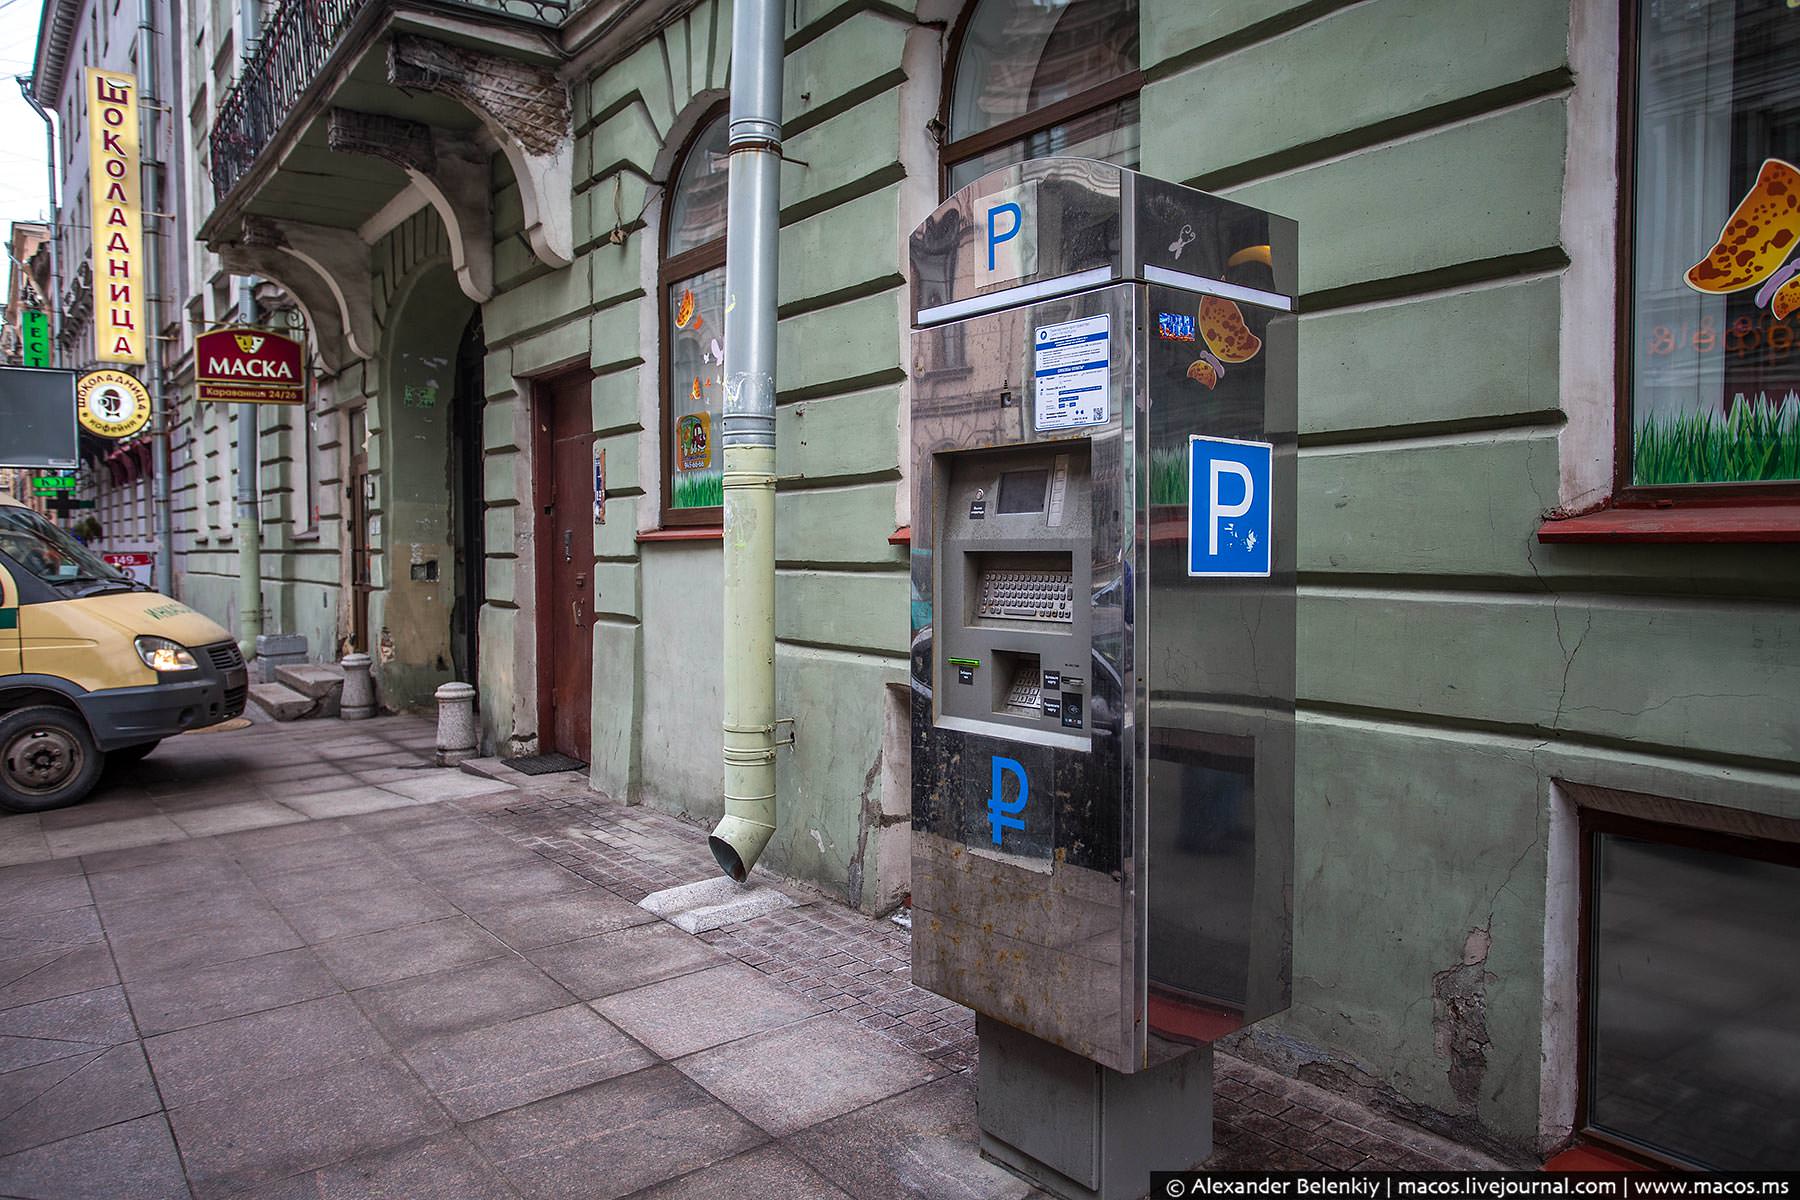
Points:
x=112 y=404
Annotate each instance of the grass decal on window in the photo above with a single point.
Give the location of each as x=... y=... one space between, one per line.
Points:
x=1169 y=476
x=699 y=491
x=1757 y=443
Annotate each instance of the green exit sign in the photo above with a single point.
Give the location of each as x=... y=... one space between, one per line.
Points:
x=52 y=485
x=34 y=338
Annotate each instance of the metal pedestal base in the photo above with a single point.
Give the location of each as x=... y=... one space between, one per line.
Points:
x=1084 y=1131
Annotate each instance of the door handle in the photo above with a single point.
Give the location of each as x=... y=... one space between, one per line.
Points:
x=568 y=545
x=575 y=608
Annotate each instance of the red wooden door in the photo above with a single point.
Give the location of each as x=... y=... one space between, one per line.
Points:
x=566 y=559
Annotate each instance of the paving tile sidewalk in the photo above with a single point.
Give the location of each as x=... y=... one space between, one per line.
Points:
x=297 y=961
x=861 y=969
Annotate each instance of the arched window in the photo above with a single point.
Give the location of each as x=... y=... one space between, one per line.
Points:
x=692 y=286
x=1039 y=77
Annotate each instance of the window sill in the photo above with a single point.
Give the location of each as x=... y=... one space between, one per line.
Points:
x=1696 y=523
x=690 y=533
x=901 y=536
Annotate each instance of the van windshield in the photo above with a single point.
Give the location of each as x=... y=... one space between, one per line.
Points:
x=49 y=553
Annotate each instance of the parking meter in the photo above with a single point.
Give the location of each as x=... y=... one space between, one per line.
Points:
x=1103 y=462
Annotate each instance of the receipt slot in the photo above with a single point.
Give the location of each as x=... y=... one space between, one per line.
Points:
x=1103 y=458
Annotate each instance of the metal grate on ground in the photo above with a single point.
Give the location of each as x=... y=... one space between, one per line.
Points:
x=543 y=764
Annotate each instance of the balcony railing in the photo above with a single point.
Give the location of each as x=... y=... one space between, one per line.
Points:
x=297 y=40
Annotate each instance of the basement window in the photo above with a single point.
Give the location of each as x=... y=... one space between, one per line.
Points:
x=1691 y=994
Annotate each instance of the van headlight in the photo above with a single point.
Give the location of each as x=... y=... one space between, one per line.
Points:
x=160 y=654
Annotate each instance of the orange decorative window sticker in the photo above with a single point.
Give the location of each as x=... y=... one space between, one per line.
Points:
x=1228 y=340
x=693 y=441
x=684 y=309
x=1227 y=336
x=1757 y=239
x=1203 y=372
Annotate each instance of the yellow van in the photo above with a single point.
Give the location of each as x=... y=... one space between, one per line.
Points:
x=94 y=666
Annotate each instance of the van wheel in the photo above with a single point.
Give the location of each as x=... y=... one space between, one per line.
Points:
x=47 y=759
x=127 y=755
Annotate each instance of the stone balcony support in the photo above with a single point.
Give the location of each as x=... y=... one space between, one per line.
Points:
x=524 y=107
x=451 y=174
x=325 y=270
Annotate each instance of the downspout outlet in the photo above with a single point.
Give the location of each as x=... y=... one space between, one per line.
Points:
x=749 y=822
x=737 y=843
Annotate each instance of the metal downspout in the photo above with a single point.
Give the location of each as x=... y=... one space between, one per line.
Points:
x=749 y=438
x=52 y=302
x=249 y=447
x=160 y=413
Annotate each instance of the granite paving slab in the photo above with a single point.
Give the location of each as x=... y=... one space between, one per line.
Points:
x=49 y=930
x=22 y=842
x=798 y=1075
x=394 y=954
x=133 y=1158
x=444 y=1167
x=245 y=935
x=73 y=1096
x=765 y=1171
x=258 y=1051
x=353 y=800
x=598 y=966
x=132 y=885
x=22 y=895
x=529 y=924
x=921 y=1143
x=112 y=835
x=508 y=884
x=339 y=851
x=231 y=818
x=99 y=1016
x=130 y=857
x=60 y=971
x=366 y=910
x=692 y=1012
x=181 y=999
x=613 y=1138
x=310 y=1121
x=485 y=1071
x=460 y=999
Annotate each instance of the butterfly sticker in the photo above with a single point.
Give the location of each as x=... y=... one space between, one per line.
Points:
x=1758 y=237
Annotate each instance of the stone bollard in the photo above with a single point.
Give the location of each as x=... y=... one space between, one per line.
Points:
x=456 y=732
x=358 y=702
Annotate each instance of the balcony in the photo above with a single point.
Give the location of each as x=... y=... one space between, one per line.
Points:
x=298 y=41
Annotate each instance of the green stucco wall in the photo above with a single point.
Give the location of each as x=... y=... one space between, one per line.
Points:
x=1453 y=671
x=841 y=585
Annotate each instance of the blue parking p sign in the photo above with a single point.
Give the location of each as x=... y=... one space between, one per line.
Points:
x=1229 y=507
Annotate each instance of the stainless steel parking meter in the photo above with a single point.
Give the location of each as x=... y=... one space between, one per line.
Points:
x=1103 y=458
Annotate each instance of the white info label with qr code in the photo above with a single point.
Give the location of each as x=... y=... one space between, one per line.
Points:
x=1070 y=363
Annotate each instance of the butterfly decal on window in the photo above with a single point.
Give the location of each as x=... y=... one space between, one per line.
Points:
x=1757 y=239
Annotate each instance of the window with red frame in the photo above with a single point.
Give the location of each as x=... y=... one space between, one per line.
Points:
x=1713 y=225
x=692 y=283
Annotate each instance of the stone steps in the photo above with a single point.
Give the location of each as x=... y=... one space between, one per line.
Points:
x=280 y=702
x=323 y=683
x=300 y=691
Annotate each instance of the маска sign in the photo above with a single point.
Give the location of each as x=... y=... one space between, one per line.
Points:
x=240 y=365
